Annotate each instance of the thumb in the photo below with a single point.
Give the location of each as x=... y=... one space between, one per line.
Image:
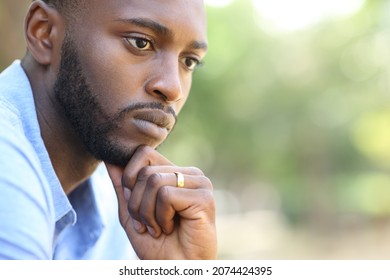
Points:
x=133 y=228
x=115 y=172
x=122 y=194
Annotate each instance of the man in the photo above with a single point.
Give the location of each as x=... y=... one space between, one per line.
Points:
x=102 y=81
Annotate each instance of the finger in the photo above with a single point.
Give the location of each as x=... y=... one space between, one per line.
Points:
x=120 y=176
x=147 y=172
x=146 y=190
x=144 y=156
x=147 y=204
x=148 y=212
x=142 y=205
x=138 y=193
x=196 y=206
x=115 y=172
x=123 y=196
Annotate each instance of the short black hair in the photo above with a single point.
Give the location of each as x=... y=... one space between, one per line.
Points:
x=70 y=9
x=64 y=5
x=59 y=4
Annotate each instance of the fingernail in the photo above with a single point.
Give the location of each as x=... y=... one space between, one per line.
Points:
x=137 y=225
x=151 y=231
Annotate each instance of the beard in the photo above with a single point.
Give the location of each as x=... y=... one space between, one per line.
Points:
x=91 y=124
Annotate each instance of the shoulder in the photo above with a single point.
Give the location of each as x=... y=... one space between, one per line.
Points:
x=9 y=115
x=26 y=211
x=13 y=142
x=13 y=139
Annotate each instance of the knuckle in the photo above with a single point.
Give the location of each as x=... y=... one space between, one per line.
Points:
x=196 y=171
x=208 y=199
x=206 y=182
x=133 y=210
x=207 y=195
x=163 y=194
x=143 y=174
x=146 y=217
x=154 y=180
x=126 y=180
x=145 y=150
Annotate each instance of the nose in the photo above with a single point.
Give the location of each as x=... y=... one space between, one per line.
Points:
x=165 y=84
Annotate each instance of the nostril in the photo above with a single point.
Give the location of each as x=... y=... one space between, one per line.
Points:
x=161 y=95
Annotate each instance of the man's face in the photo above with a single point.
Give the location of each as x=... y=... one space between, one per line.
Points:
x=126 y=70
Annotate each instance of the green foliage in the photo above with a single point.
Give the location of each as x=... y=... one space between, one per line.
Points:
x=291 y=110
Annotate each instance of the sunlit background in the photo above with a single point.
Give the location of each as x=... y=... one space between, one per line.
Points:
x=290 y=118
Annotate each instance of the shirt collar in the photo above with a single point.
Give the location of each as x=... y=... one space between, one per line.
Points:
x=75 y=241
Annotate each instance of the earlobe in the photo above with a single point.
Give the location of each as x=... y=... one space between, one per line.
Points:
x=41 y=31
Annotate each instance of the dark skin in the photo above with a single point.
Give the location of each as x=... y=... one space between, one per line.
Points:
x=130 y=51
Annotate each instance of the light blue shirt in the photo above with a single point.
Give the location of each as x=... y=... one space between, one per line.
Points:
x=37 y=219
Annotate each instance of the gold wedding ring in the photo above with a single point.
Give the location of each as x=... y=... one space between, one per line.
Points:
x=180 y=180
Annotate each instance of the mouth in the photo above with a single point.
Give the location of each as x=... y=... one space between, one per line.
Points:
x=154 y=123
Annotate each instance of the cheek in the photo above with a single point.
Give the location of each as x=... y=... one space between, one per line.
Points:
x=186 y=88
x=118 y=78
x=180 y=104
x=114 y=80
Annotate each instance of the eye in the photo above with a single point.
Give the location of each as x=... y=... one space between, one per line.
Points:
x=191 y=63
x=140 y=43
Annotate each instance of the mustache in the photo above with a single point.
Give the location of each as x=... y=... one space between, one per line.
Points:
x=147 y=105
x=115 y=120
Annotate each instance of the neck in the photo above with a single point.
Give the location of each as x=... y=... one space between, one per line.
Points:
x=69 y=157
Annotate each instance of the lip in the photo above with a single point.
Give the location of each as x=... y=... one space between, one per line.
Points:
x=154 y=123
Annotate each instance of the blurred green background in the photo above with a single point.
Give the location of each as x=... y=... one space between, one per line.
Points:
x=290 y=118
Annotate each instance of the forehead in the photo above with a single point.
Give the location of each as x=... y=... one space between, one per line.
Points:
x=181 y=16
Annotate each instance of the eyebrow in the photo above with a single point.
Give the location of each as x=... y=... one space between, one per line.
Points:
x=161 y=30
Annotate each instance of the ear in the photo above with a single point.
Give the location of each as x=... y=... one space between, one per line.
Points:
x=43 y=26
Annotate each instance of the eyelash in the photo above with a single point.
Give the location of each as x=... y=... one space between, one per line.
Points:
x=194 y=60
x=135 y=40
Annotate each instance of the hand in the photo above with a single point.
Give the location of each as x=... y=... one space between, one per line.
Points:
x=161 y=220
